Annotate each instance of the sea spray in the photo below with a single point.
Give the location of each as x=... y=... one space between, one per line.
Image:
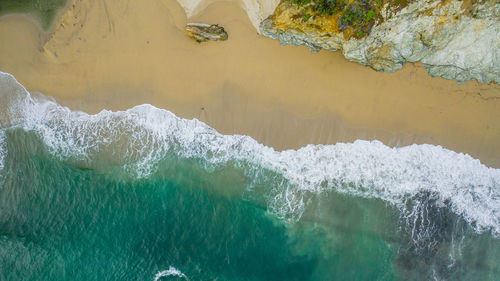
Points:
x=446 y=201
x=3 y=150
x=171 y=271
x=139 y=138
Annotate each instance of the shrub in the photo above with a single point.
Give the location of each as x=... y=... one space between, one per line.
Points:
x=355 y=19
x=329 y=7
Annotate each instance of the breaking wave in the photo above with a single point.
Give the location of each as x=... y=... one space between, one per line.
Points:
x=3 y=149
x=139 y=138
x=171 y=271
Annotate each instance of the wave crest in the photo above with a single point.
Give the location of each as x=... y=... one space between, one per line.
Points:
x=3 y=149
x=139 y=138
x=171 y=271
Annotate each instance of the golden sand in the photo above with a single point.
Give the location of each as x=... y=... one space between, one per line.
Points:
x=115 y=54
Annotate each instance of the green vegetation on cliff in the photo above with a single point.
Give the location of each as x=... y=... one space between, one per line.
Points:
x=44 y=10
x=355 y=17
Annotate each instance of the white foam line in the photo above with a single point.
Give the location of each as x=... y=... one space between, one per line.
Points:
x=3 y=149
x=171 y=271
x=140 y=137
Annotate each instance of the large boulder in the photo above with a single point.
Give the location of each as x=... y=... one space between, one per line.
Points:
x=202 y=32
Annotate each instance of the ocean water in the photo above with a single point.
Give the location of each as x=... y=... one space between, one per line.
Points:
x=145 y=195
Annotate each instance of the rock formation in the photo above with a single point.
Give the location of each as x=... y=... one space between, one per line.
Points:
x=453 y=39
x=202 y=32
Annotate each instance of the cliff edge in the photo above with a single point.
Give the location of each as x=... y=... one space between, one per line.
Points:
x=457 y=40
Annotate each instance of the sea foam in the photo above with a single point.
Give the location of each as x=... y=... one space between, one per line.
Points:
x=171 y=271
x=3 y=149
x=139 y=138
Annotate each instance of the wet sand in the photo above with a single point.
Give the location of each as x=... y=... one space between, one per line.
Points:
x=116 y=54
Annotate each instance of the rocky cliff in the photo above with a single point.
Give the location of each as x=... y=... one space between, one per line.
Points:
x=453 y=39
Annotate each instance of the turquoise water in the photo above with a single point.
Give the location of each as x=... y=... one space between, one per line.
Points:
x=145 y=195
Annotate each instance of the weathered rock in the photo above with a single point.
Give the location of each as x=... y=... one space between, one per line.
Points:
x=202 y=32
x=451 y=41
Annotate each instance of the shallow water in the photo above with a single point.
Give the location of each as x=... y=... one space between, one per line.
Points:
x=145 y=195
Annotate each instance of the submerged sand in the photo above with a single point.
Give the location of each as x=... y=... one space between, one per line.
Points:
x=116 y=54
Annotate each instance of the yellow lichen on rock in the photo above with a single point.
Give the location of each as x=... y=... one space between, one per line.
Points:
x=289 y=16
x=381 y=58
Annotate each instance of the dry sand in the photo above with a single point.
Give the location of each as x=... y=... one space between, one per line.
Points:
x=115 y=54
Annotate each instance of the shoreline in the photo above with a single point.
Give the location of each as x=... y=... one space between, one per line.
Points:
x=284 y=97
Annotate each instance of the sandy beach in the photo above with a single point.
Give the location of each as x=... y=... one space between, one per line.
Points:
x=118 y=54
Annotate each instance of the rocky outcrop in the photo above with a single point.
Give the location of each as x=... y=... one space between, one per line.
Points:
x=202 y=32
x=453 y=39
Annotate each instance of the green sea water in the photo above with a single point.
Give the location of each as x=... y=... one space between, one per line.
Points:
x=44 y=10
x=103 y=197
x=59 y=222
